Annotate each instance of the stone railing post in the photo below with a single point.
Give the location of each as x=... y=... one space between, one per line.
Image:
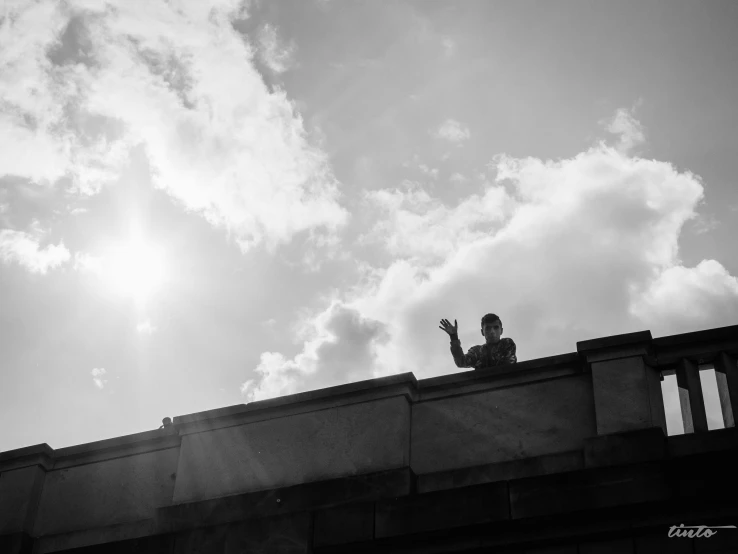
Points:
x=627 y=390
x=691 y=400
x=726 y=375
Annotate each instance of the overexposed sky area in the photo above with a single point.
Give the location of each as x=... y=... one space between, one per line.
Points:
x=207 y=203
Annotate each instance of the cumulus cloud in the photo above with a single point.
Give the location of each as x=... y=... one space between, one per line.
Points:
x=687 y=298
x=101 y=77
x=24 y=249
x=562 y=250
x=97 y=374
x=414 y=225
x=452 y=131
x=340 y=348
x=276 y=55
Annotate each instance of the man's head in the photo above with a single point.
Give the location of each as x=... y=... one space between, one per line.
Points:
x=491 y=328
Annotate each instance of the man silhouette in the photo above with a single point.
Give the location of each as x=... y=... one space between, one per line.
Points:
x=495 y=351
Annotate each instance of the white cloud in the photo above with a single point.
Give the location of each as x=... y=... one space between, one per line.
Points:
x=562 y=250
x=145 y=327
x=277 y=56
x=97 y=374
x=24 y=249
x=458 y=178
x=689 y=298
x=422 y=228
x=628 y=128
x=182 y=82
x=342 y=348
x=452 y=131
x=88 y=263
x=431 y=172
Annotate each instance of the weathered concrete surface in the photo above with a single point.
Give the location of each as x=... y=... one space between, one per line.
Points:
x=502 y=471
x=120 y=490
x=20 y=490
x=622 y=395
x=336 y=442
x=503 y=424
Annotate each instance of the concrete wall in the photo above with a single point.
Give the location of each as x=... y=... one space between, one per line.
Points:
x=334 y=442
x=107 y=492
x=505 y=424
x=19 y=492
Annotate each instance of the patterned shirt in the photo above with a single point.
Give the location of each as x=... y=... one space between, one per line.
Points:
x=484 y=355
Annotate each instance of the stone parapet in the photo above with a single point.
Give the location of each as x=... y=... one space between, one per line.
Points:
x=380 y=459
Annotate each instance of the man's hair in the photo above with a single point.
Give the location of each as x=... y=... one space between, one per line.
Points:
x=491 y=318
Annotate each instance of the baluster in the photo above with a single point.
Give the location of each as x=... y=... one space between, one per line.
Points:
x=726 y=375
x=691 y=399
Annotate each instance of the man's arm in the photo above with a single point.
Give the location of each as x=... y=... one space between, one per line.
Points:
x=460 y=359
x=511 y=352
x=471 y=358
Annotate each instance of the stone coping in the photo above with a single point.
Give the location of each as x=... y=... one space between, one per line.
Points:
x=626 y=339
x=38 y=454
x=272 y=404
x=700 y=347
x=718 y=334
x=571 y=360
x=49 y=458
x=361 y=391
x=663 y=352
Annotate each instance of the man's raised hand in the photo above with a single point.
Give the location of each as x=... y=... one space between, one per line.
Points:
x=450 y=329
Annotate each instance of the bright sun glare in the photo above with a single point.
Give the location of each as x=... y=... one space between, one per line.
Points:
x=135 y=269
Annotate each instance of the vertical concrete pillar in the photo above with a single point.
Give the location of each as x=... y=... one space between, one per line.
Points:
x=627 y=390
x=726 y=375
x=691 y=400
x=22 y=475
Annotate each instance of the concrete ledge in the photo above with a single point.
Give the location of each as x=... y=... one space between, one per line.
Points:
x=625 y=448
x=550 y=363
x=700 y=347
x=303 y=497
x=588 y=490
x=69 y=460
x=403 y=383
x=615 y=346
x=288 y=534
x=442 y=510
x=344 y=524
x=698 y=443
x=718 y=334
x=502 y=471
x=106 y=538
x=38 y=454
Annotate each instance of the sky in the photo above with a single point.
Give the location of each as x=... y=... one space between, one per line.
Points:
x=208 y=203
